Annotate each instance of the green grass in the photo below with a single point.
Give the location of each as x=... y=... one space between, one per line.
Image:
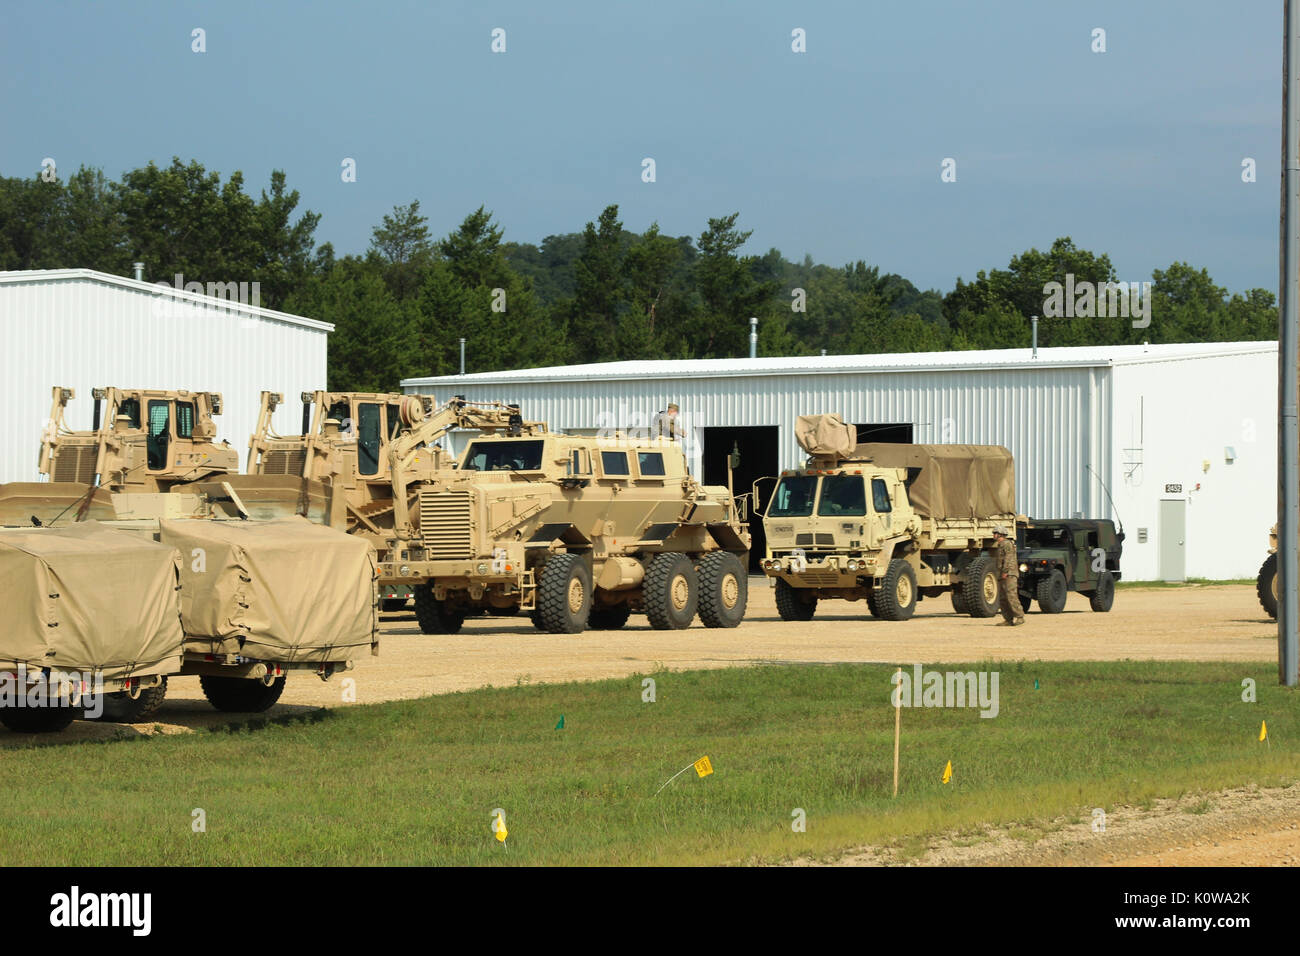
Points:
x=415 y=782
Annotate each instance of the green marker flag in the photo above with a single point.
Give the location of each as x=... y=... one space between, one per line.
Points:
x=1035 y=683
x=560 y=725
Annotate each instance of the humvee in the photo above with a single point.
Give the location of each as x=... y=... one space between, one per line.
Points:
x=1060 y=556
x=886 y=523
x=577 y=532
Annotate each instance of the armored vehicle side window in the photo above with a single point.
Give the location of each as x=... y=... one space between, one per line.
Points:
x=843 y=495
x=130 y=407
x=342 y=414
x=368 y=438
x=394 y=420
x=504 y=456
x=793 y=497
x=880 y=496
x=159 y=435
x=651 y=464
x=614 y=463
x=184 y=420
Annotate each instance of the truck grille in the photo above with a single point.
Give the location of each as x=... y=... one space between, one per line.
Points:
x=444 y=524
x=75 y=463
x=820 y=579
x=284 y=462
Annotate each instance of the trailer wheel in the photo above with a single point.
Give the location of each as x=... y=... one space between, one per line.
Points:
x=791 y=604
x=724 y=589
x=241 y=695
x=1102 y=598
x=435 y=616
x=37 y=720
x=980 y=587
x=119 y=708
x=1052 y=592
x=958 y=596
x=1266 y=586
x=608 y=617
x=671 y=591
x=564 y=595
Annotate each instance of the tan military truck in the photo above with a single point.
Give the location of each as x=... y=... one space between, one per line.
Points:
x=1266 y=582
x=139 y=475
x=578 y=532
x=886 y=523
x=354 y=451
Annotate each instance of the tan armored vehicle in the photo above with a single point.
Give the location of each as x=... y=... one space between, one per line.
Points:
x=139 y=475
x=886 y=523
x=355 y=450
x=576 y=531
x=1266 y=583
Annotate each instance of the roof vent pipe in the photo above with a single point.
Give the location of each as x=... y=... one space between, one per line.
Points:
x=1035 y=319
x=753 y=337
x=462 y=356
x=139 y=271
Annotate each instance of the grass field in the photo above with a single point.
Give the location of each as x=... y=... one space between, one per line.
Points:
x=415 y=782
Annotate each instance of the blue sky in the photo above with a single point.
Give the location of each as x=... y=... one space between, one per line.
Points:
x=834 y=153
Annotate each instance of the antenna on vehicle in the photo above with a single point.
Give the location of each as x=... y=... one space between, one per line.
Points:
x=1108 y=498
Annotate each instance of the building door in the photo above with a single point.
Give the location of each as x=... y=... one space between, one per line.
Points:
x=758 y=447
x=1173 y=540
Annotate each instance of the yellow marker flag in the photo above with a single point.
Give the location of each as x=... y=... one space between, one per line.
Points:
x=703 y=767
x=1263 y=730
x=500 y=827
x=947 y=772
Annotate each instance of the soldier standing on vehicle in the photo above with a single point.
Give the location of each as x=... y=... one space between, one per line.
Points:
x=665 y=424
x=1008 y=579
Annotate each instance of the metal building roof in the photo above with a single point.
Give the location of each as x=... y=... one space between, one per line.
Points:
x=158 y=288
x=1002 y=359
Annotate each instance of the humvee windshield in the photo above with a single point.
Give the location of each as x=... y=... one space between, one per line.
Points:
x=504 y=456
x=793 y=497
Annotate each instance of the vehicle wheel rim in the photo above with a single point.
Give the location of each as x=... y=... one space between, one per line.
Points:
x=680 y=592
x=1274 y=587
x=577 y=593
x=903 y=592
x=990 y=588
x=730 y=591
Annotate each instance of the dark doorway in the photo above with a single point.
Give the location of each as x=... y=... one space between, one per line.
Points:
x=758 y=446
x=885 y=431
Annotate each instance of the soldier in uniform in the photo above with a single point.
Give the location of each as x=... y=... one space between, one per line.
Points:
x=1008 y=565
x=665 y=424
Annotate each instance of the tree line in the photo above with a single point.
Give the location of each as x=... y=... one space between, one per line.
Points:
x=603 y=294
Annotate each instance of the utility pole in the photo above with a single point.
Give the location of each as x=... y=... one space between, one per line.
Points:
x=1288 y=444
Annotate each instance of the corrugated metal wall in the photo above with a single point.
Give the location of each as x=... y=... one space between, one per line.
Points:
x=1053 y=419
x=85 y=334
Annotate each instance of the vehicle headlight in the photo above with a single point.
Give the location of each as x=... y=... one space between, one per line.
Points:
x=853 y=565
x=404 y=571
x=1024 y=567
x=482 y=568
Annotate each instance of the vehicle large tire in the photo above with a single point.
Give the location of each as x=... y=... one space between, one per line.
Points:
x=435 y=616
x=1102 y=598
x=873 y=603
x=38 y=720
x=670 y=591
x=896 y=599
x=1052 y=592
x=1266 y=586
x=980 y=587
x=608 y=617
x=119 y=708
x=792 y=604
x=958 y=595
x=724 y=590
x=239 y=695
x=564 y=594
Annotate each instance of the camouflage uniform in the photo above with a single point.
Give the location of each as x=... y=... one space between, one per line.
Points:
x=1009 y=586
x=666 y=426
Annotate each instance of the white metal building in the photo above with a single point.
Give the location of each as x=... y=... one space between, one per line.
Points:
x=86 y=329
x=1178 y=441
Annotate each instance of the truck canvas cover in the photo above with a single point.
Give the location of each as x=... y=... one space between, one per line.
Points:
x=824 y=435
x=951 y=481
x=285 y=590
x=90 y=599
